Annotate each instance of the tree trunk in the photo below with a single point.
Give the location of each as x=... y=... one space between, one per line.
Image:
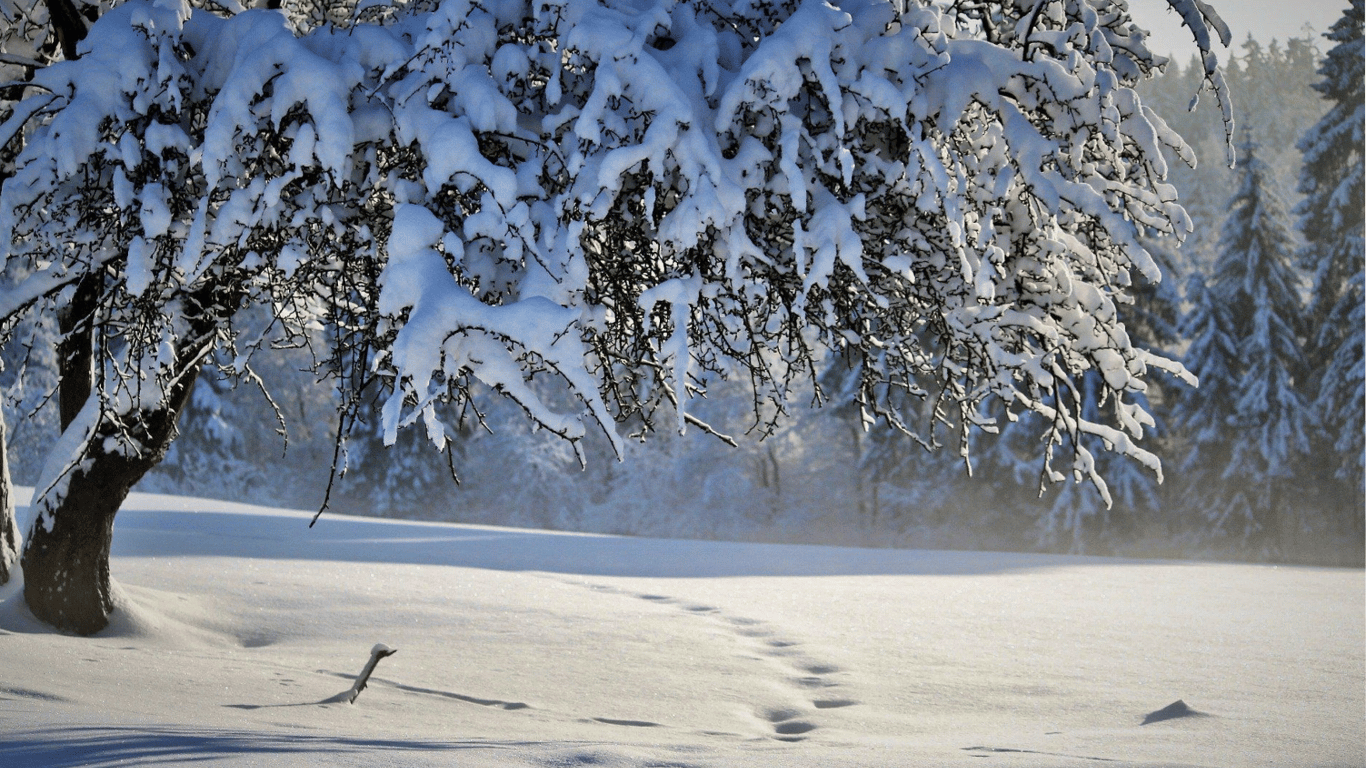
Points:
x=70 y=27
x=75 y=355
x=66 y=557
x=9 y=527
x=856 y=443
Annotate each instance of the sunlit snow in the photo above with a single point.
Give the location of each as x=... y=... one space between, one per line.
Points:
x=530 y=648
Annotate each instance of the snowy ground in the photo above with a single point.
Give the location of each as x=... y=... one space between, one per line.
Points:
x=529 y=648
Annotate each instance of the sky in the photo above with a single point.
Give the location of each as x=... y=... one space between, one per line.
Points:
x=1265 y=19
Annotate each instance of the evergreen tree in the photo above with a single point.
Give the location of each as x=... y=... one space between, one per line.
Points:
x=1009 y=480
x=1274 y=98
x=1201 y=415
x=1077 y=514
x=1256 y=280
x=1332 y=221
x=213 y=456
x=898 y=475
x=398 y=480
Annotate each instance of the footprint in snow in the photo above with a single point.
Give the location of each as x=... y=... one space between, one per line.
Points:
x=833 y=703
x=788 y=723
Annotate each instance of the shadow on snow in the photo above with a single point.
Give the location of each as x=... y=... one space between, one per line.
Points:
x=159 y=526
x=120 y=745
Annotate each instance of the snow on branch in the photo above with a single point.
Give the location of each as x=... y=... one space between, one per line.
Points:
x=1201 y=19
x=596 y=207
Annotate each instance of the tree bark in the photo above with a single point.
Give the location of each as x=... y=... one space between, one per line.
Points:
x=66 y=557
x=69 y=27
x=9 y=527
x=75 y=355
x=68 y=24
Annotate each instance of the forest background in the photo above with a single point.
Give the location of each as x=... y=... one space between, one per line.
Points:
x=824 y=478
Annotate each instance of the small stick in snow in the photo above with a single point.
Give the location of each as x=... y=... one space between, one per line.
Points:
x=378 y=652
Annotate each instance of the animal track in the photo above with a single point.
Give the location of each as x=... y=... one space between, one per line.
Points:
x=780 y=715
x=833 y=703
x=770 y=646
x=28 y=693
x=287 y=682
x=793 y=728
x=259 y=640
x=786 y=724
x=741 y=621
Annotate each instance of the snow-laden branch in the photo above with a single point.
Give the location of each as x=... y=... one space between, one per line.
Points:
x=597 y=207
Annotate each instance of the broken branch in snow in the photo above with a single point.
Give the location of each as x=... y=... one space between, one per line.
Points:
x=349 y=696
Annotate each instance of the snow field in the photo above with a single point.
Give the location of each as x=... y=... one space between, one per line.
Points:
x=529 y=648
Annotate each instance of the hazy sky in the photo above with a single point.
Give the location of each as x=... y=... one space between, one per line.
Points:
x=1265 y=19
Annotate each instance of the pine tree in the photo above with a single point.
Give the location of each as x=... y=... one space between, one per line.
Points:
x=1272 y=82
x=1332 y=221
x=1077 y=513
x=1201 y=415
x=1256 y=280
x=212 y=457
x=398 y=480
x=1009 y=481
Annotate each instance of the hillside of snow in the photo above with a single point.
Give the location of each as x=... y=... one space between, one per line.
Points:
x=534 y=648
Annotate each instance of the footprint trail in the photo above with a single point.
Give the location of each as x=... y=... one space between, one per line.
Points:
x=812 y=684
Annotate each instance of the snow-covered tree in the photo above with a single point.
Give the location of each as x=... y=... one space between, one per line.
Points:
x=1272 y=82
x=9 y=527
x=1249 y=421
x=627 y=200
x=212 y=450
x=1201 y=416
x=27 y=43
x=1332 y=222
